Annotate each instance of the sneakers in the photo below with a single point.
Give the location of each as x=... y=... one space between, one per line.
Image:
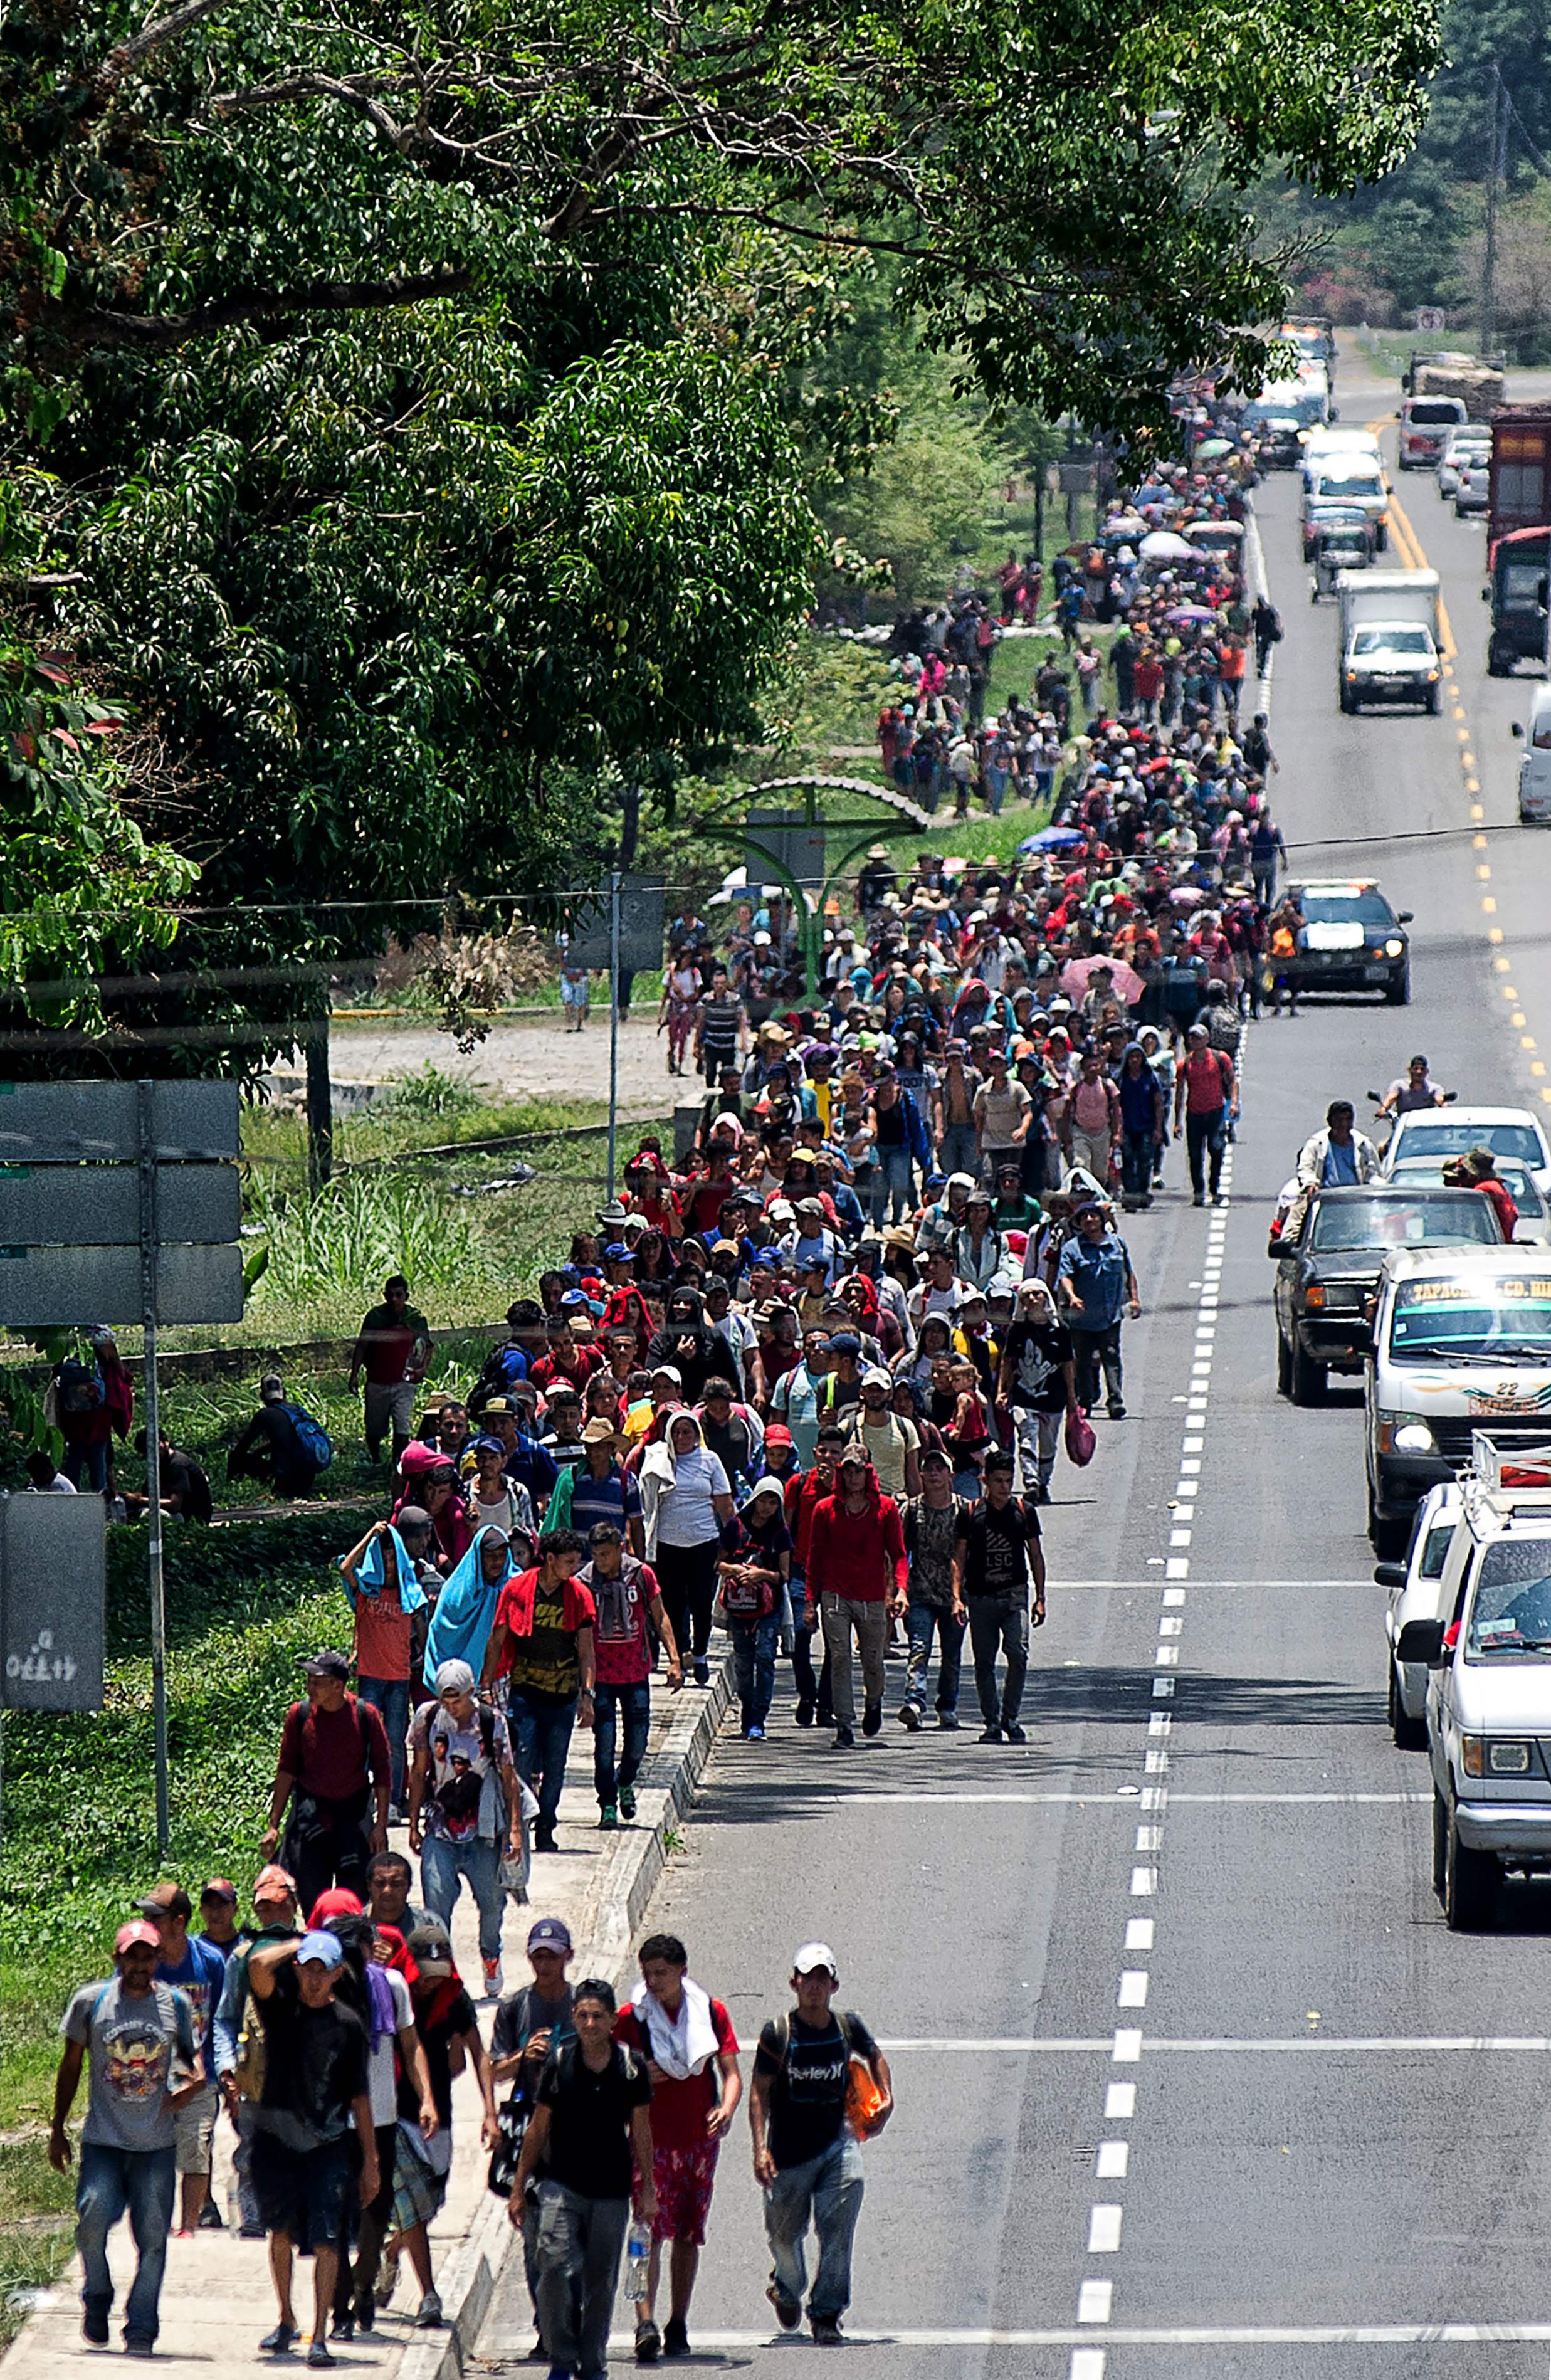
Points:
x=702 y=1673
x=647 y=2341
x=948 y=1719
x=1199 y=1198
x=803 y=1714
x=429 y=2315
x=342 y=2324
x=94 y=2324
x=608 y=1817
x=210 y=2217
x=544 y=1837
x=675 y=2337
x=757 y=1734
x=495 y=1980
x=846 y=1739
x=788 y=2312
x=143 y=2348
x=872 y=1718
x=909 y=1717
x=1115 y=1409
x=990 y=1735
x=627 y=1801
x=1013 y=1733
x=826 y=2330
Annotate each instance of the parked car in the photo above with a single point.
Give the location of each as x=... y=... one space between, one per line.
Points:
x=1469 y=445
x=1416 y=1593
x=1472 y=489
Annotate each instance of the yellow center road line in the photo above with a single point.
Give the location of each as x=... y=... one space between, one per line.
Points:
x=1410 y=546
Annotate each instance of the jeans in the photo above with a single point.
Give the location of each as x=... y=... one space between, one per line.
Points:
x=242 y=2160
x=1136 y=1164
x=999 y=1623
x=813 y=1686
x=631 y=1706
x=542 y=1732
x=957 y=1152
x=1206 y=1135
x=870 y=1621
x=578 y=2258
x=827 y=2192
x=1038 y=1444
x=110 y=2183
x=892 y=1185
x=754 y=1664
x=687 y=1582
x=93 y=1460
x=391 y=1696
x=1094 y=1348
x=443 y=1864
x=1264 y=876
x=924 y=1621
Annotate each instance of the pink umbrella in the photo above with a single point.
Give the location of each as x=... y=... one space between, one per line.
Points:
x=1125 y=982
x=1190 y=612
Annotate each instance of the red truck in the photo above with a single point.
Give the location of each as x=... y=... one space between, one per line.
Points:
x=1518 y=535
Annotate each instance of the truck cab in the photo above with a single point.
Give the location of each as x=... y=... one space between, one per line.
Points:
x=1389 y=638
x=1535 y=768
x=1516 y=588
x=1488 y=1655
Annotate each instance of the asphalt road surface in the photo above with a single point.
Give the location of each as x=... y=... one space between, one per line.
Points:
x=1192 y=2080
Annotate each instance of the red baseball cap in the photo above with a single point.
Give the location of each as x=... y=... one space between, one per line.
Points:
x=136 y=1930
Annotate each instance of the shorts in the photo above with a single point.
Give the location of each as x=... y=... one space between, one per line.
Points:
x=684 y=2179
x=194 y=2129
x=390 y=1402
x=307 y=2193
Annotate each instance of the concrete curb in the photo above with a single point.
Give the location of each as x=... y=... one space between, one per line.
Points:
x=627 y=1877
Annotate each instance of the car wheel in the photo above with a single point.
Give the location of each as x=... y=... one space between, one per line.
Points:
x=1435 y=703
x=1409 y=1734
x=1470 y=1884
x=1284 y=1367
x=1308 y=1380
x=1381 y=541
x=1440 y=1841
x=1396 y=991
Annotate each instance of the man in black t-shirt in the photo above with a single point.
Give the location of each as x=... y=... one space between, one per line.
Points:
x=807 y=2158
x=305 y=2159
x=530 y=2026
x=1001 y=1554
x=590 y=2126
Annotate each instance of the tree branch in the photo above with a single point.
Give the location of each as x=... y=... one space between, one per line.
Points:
x=151 y=37
x=158 y=331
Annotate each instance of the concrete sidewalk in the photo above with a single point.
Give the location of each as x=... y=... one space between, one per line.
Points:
x=217 y=2302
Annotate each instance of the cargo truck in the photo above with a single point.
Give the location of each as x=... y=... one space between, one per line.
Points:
x=1476 y=381
x=1518 y=535
x=1389 y=638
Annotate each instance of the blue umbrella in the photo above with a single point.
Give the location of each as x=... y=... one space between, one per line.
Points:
x=1052 y=838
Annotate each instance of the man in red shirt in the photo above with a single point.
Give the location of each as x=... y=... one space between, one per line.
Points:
x=334 y=1754
x=857 y=1577
x=563 y=1359
x=691 y=2051
x=1206 y=1093
x=393 y=1347
x=805 y=1490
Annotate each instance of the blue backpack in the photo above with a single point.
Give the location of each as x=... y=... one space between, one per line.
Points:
x=311 y=1436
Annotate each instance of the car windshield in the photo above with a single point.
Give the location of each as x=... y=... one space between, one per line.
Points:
x=1461 y=1320
x=1381 y=1224
x=1452 y=1139
x=1350 y=483
x=1392 y=640
x=1429 y=412
x=1365 y=908
x=1523 y=585
x=1510 y=1610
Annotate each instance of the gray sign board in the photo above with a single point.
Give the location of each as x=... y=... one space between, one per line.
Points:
x=53 y=1601
x=640 y=927
x=42 y=1288
x=785 y=836
x=99 y=1206
x=45 y=1124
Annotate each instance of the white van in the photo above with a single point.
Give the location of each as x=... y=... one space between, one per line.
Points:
x=1462 y=1343
x=1535 y=768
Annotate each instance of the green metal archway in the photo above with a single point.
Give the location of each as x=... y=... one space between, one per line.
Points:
x=859 y=832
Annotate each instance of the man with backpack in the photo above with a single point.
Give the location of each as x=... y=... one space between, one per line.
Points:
x=821 y=2086
x=465 y=1805
x=240 y=2033
x=334 y=1761
x=137 y=2037
x=1205 y=1095
x=283 y=1446
x=1000 y=1557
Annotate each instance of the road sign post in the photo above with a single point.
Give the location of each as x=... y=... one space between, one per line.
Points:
x=114 y=1207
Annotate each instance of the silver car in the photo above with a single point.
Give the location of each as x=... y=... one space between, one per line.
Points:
x=1462 y=445
x=1415 y=1593
x=1472 y=490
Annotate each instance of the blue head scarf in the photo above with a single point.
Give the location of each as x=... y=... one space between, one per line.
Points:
x=465 y=1613
x=370 y=1573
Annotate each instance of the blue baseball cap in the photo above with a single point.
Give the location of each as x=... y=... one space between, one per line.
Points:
x=320 y=1949
x=617 y=1253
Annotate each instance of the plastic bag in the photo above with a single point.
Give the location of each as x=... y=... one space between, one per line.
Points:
x=1080 y=1439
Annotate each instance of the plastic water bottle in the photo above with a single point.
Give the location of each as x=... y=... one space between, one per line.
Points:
x=638 y=2256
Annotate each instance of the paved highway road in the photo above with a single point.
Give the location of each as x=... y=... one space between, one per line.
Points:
x=1191 y=2079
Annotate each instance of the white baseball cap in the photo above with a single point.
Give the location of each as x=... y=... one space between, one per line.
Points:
x=813 y=1955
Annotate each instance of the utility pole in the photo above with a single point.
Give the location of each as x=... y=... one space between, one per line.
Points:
x=1497 y=167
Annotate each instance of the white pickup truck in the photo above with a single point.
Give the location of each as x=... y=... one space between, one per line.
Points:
x=1389 y=638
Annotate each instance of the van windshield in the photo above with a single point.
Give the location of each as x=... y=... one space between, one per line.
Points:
x=1350 y=483
x=1392 y=640
x=1463 y=1321
x=1441 y=1139
x=1428 y=410
x=1511 y=1612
